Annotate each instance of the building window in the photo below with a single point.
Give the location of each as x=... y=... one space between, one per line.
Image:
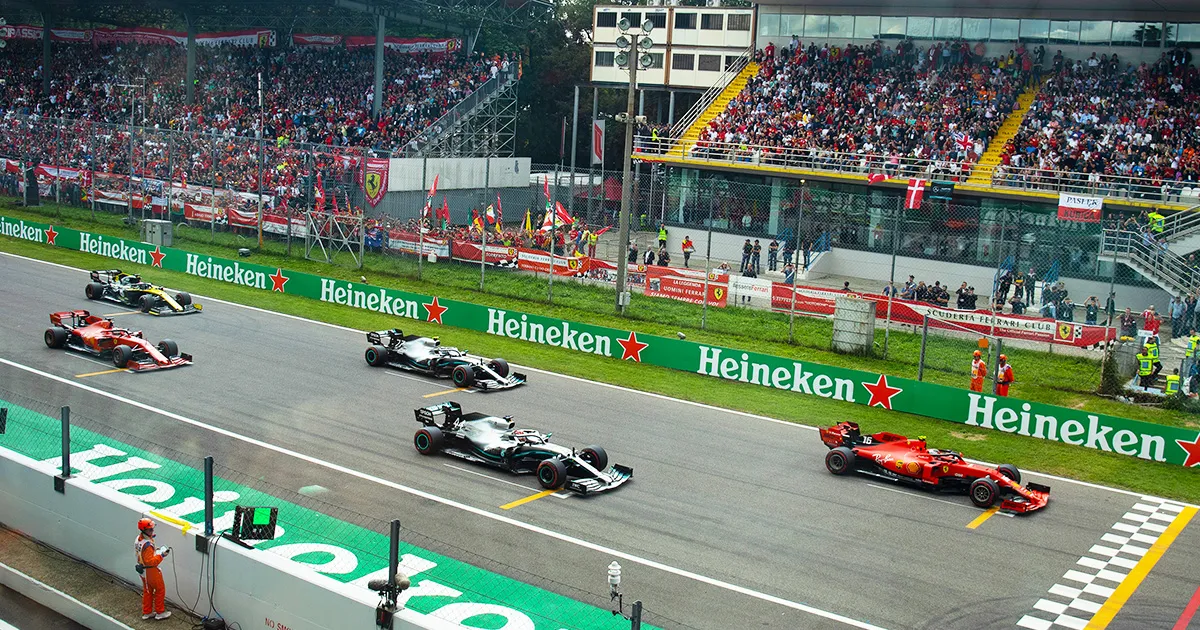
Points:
x=816 y=26
x=947 y=28
x=606 y=20
x=1095 y=32
x=739 y=22
x=920 y=28
x=1005 y=30
x=1127 y=33
x=659 y=20
x=635 y=19
x=1186 y=35
x=976 y=29
x=730 y=60
x=866 y=27
x=768 y=25
x=683 y=61
x=656 y=61
x=712 y=22
x=605 y=58
x=1035 y=31
x=1064 y=32
x=892 y=27
x=710 y=63
x=841 y=26
x=685 y=20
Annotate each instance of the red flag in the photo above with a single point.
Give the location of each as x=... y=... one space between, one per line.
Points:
x=561 y=213
x=433 y=189
x=875 y=178
x=546 y=189
x=499 y=210
x=916 y=191
x=444 y=213
x=603 y=230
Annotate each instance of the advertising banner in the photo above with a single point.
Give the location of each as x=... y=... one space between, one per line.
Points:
x=375 y=179
x=496 y=254
x=1145 y=440
x=1079 y=208
x=410 y=242
x=262 y=38
x=411 y=45
x=686 y=285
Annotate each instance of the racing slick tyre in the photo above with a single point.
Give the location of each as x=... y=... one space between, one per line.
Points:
x=839 y=460
x=94 y=291
x=183 y=298
x=56 y=337
x=121 y=356
x=595 y=457
x=168 y=348
x=984 y=492
x=428 y=440
x=376 y=356
x=1010 y=471
x=147 y=302
x=552 y=474
x=462 y=376
x=499 y=366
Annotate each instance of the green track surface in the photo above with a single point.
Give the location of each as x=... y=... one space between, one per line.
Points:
x=1042 y=377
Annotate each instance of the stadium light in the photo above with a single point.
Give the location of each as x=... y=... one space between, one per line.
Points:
x=629 y=45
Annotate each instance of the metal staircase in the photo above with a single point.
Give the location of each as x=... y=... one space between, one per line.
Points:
x=714 y=101
x=1182 y=231
x=484 y=124
x=1165 y=268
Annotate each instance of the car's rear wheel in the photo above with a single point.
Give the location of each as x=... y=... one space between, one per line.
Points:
x=499 y=366
x=168 y=347
x=147 y=302
x=984 y=492
x=56 y=337
x=595 y=457
x=1010 y=471
x=428 y=440
x=183 y=298
x=462 y=376
x=552 y=474
x=94 y=291
x=376 y=356
x=839 y=460
x=121 y=356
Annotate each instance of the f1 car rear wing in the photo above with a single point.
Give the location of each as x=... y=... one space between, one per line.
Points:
x=104 y=275
x=394 y=337
x=75 y=318
x=439 y=415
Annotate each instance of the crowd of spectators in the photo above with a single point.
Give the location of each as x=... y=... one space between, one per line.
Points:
x=902 y=109
x=1098 y=122
x=319 y=95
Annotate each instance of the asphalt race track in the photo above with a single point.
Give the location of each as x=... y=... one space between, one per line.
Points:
x=732 y=520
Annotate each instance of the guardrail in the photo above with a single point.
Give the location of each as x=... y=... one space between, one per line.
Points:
x=1169 y=267
x=999 y=177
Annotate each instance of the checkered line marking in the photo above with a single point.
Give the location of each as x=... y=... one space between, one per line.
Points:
x=1083 y=590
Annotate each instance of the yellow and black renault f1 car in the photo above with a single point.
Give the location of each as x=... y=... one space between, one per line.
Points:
x=117 y=286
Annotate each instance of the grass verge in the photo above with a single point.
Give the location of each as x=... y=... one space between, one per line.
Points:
x=1050 y=457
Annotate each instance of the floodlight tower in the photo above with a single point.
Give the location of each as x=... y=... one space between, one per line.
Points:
x=633 y=47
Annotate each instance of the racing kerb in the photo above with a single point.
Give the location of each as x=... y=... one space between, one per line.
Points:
x=1134 y=438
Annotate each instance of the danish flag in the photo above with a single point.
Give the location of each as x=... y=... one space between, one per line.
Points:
x=916 y=191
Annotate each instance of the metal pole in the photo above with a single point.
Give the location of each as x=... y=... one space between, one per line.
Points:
x=393 y=552
x=924 y=338
x=635 y=616
x=421 y=220
x=66 y=442
x=261 y=158
x=626 y=178
x=208 y=496
x=553 y=236
x=212 y=179
x=574 y=150
x=170 y=173
x=887 y=327
x=380 y=32
x=591 y=164
x=796 y=266
x=707 y=255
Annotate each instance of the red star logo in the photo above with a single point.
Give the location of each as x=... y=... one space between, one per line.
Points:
x=631 y=348
x=50 y=235
x=157 y=257
x=881 y=392
x=278 y=280
x=1193 y=451
x=435 y=311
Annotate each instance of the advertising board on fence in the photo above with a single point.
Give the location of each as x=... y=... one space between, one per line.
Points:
x=1162 y=443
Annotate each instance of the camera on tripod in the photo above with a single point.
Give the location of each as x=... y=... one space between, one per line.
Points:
x=388 y=591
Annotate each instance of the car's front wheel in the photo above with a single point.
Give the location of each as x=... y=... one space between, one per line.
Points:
x=169 y=348
x=183 y=298
x=552 y=474
x=1010 y=471
x=147 y=302
x=121 y=356
x=984 y=492
x=839 y=460
x=595 y=457
x=462 y=376
x=428 y=440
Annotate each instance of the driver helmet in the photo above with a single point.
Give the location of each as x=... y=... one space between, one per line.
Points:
x=437 y=341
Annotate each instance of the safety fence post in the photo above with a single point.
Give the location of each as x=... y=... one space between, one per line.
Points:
x=635 y=616
x=60 y=480
x=208 y=496
x=924 y=338
x=3 y=419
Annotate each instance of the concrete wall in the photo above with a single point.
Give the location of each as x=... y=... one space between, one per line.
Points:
x=97 y=525
x=416 y=174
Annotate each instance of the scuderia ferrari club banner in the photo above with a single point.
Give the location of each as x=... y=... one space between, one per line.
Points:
x=375 y=179
x=1144 y=440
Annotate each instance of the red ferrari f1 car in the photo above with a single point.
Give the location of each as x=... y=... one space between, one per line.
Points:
x=898 y=458
x=83 y=332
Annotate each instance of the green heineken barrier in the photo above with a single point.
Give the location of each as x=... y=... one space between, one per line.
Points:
x=1135 y=438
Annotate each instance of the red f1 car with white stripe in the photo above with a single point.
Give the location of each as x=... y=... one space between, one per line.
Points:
x=83 y=332
x=899 y=458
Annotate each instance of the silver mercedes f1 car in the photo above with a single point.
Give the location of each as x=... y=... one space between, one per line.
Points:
x=494 y=441
x=427 y=355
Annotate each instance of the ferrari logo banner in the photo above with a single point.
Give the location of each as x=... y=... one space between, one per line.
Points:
x=1156 y=442
x=375 y=179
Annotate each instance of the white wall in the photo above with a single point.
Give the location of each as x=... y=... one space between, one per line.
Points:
x=97 y=525
x=409 y=174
